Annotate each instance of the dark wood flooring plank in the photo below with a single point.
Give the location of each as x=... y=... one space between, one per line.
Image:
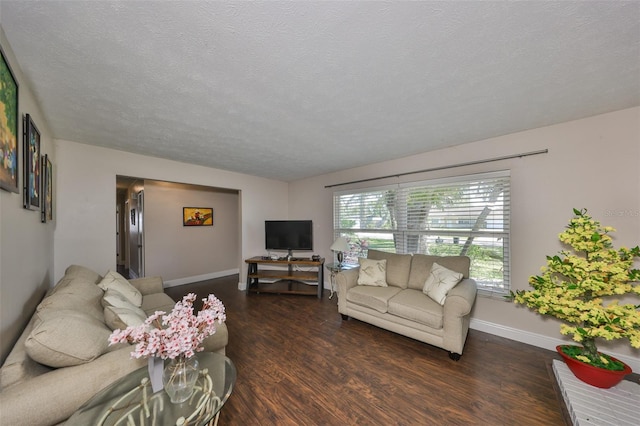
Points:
x=299 y=364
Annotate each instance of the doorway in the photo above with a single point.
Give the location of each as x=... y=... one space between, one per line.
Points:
x=136 y=235
x=156 y=240
x=130 y=227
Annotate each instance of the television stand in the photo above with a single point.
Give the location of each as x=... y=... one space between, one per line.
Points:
x=284 y=276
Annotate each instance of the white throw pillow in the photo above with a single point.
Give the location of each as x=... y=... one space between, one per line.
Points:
x=121 y=318
x=115 y=281
x=439 y=282
x=117 y=300
x=372 y=272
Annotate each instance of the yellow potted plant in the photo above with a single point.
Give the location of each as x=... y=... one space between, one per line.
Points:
x=577 y=287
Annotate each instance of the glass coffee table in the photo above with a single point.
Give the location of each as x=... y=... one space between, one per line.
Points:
x=130 y=400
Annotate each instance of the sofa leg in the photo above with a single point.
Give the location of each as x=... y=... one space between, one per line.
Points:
x=345 y=317
x=454 y=356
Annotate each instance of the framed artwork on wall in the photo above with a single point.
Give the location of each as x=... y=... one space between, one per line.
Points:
x=8 y=127
x=47 y=189
x=197 y=216
x=31 y=152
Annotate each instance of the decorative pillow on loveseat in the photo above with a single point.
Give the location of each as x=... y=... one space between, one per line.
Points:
x=372 y=272
x=398 y=266
x=440 y=281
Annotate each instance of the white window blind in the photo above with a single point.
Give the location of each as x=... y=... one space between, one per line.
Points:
x=465 y=215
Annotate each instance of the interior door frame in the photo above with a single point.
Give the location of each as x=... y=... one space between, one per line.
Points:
x=140 y=225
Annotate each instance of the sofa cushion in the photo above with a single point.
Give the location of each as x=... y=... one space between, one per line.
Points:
x=372 y=297
x=19 y=367
x=440 y=281
x=121 y=318
x=416 y=306
x=80 y=286
x=62 y=301
x=372 y=272
x=421 y=267
x=70 y=338
x=398 y=266
x=77 y=271
x=157 y=302
x=115 y=281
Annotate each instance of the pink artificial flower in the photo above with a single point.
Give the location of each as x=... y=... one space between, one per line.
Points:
x=178 y=333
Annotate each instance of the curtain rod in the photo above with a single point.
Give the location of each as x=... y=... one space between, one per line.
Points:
x=470 y=163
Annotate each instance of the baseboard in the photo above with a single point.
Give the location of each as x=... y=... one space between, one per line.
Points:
x=538 y=340
x=198 y=278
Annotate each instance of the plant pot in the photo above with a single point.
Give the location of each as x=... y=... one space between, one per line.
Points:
x=595 y=376
x=179 y=378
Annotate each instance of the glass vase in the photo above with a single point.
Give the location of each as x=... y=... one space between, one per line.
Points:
x=179 y=378
x=156 y=369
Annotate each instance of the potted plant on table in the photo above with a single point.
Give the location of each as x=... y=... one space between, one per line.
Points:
x=576 y=287
x=176 y=336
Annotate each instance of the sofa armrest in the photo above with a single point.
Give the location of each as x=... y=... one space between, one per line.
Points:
x=218 y=341
x=59 y=393
x=457 y=315
x=345 y=280
x=461 y=298
x=148 y=285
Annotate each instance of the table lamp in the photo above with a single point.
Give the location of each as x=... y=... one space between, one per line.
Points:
x=340 y=245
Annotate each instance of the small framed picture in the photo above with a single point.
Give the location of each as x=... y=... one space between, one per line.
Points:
x=47 y=189
x=31 y=152
x=197 y=216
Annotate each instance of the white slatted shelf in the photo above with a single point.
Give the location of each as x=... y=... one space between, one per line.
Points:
x=589 y=405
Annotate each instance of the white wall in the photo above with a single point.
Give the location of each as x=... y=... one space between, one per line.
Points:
x=592 y=163
x=26 y=244
x=86 y=201
x=183 y=253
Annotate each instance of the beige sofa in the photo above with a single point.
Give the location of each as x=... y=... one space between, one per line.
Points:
x=403 y=307
x=37 y=393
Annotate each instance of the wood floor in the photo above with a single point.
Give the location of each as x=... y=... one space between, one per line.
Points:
x=298 y=363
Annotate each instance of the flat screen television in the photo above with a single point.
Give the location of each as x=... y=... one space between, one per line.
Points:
x=288 y=235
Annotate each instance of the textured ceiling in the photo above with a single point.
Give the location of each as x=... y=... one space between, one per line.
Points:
x=288 y=90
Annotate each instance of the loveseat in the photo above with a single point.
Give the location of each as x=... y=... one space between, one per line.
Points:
x=62 y=357
x=390 y=291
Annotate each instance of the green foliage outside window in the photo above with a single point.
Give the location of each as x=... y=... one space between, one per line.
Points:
x=467 y=216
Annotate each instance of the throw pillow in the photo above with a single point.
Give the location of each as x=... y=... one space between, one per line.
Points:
x=116 y=299
x=115 y=281
x=121 y=318
x=74 y=302
x=372 y=272
x=439 y=282
x=72 y=338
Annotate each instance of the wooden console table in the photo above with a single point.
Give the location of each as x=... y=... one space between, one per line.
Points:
x=285 y=276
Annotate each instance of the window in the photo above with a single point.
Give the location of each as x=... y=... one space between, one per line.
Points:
x=466 y=215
